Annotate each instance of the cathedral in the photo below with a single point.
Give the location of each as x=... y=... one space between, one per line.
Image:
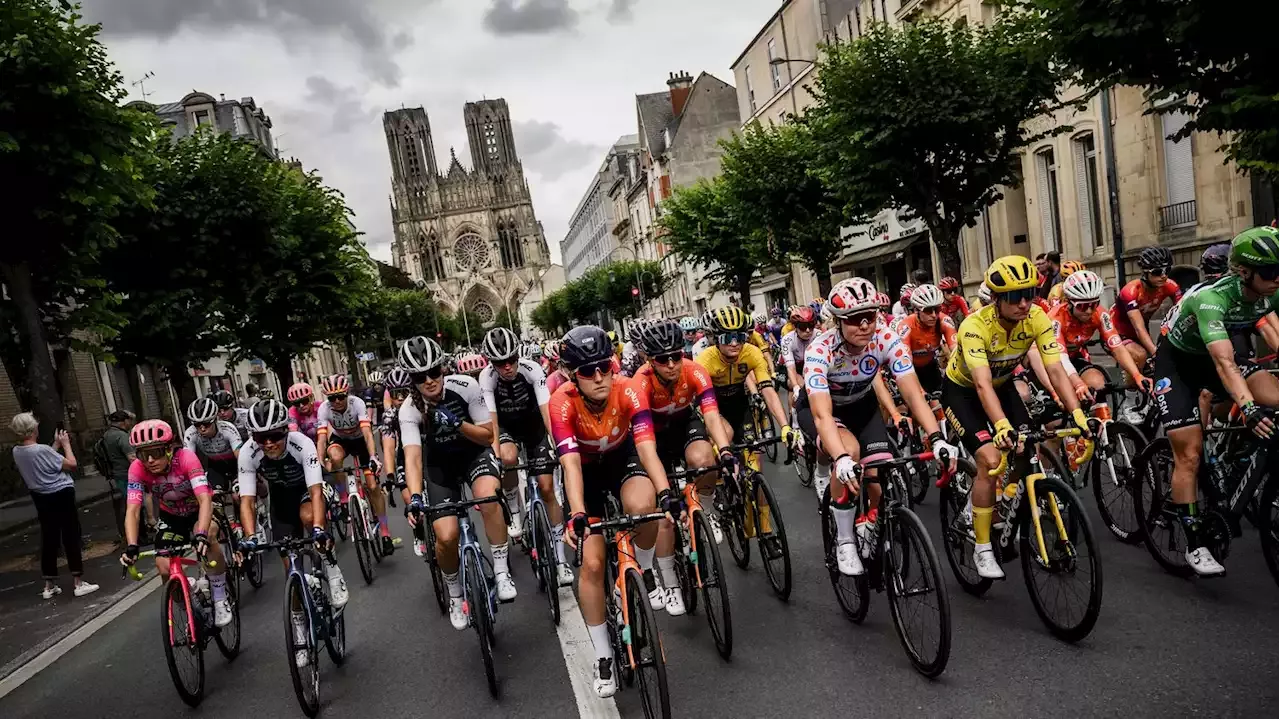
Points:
x=469 y=235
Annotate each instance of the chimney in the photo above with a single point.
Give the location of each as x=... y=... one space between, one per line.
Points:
x=681 y=85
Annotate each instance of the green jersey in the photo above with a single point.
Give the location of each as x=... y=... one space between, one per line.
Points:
x=1216 y=312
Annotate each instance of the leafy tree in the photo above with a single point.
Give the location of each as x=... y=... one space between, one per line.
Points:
x=552 y=314
x=1224 y=78
x=394 y=277
x=769 y=174
x=703 y=227
x=70 y=158
x=930 y=117
x=464 y=329
x=611 y=285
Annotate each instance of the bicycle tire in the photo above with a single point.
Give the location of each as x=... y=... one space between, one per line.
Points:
x=228 y=638
x=544 y=559
x=767 y=425
x=804 y=466
x=340 y=529
x=174 y=592
x=1267 y=517
x=645 y=645
x=295 y=594
x=853 y=594
x=918 y=478
x=779 y=577
x=255 y=570
x=1161 y=533
x=613 y=611
x=915 y=536
x=731 y=523
x=360 y=539
x=1080 y=532
x=1113 y=487
x=957 y=536
x=438 y=586
x=683 y=567
x=478 y=608
x=712 y=572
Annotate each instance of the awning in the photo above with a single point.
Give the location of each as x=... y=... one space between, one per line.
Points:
x=876 y=254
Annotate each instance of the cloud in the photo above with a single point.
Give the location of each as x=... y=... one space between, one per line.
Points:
x=548 y=153
x=620 y=10
x=529 y=17
x=344 y=103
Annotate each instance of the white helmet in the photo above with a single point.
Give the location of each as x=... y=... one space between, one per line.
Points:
x=1082 y=286
x=760 y=318
x=376 y=377
x=267 y=415
x=499 y=344
x=925 y=296
x=984 y=293
x=202 y=410
x=852 y=296
x=419 y=354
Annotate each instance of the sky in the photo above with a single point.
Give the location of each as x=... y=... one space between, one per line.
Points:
x=326 y=70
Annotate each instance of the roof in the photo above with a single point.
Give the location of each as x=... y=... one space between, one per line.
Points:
x=654 y=110
x=673 y=127
x=768 y=24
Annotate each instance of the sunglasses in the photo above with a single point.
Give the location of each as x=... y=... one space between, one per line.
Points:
x=1159 y=271
x=1016 y=296
x=668 y=358
x=420 y=377
x=1268 y=273
x=928 y=311
x=860 y=319
x=203 y=425
x=802 y=326
x=275 y=435
x=336 y=397
x=151 y=454
x=589 y=371
x=950 y=291
x=504 y=362
x=731 y=338
x=399 y=393
x=302 y=402
x=1086 y=305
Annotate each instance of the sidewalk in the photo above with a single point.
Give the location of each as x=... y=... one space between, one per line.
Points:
x=18 y=514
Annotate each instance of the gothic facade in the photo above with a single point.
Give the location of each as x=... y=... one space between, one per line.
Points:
x=469 y=234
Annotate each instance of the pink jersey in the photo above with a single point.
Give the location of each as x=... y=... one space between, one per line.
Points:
x=175 y=492
x=554 y=380
x=304 y=423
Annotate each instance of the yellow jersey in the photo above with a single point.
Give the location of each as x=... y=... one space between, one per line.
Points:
x=729 y=378
x=984 y=342
x=758 y=340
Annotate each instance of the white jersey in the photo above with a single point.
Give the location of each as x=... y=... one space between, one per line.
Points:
x=899 y=309
x=297 y=469
x=793 y=349
x=343 y=424
x=462 y=399
x=830 y=367
x=518 y=397
x=220 y=447
x=701 y=344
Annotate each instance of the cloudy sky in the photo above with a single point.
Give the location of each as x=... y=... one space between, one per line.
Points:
x=325 y=70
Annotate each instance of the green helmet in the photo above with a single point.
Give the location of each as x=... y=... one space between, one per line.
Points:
x=1256 y=247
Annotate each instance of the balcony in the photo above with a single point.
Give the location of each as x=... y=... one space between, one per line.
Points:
x=1182 y=214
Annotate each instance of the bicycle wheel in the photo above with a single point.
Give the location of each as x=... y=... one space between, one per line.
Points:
x=182 y=647
x=729 y=502
x=613 y=613
x=340 y=529
x=1074 y=568
x=477 y=593
x=306 y=679
x=804 y=466
x=715 y=589
x=438 y=586
x=543 y=556
x=360 y=539
x=917 y=475
x=775 y=551
x=333 y=622
x=1113 y=476
x=914 y=579
x=766 y=427
x=1161 y=531
x=645 y=649
x=228 y=637
x=254 y=569
x=852 y=593
x=686 y=577
x=957 y=534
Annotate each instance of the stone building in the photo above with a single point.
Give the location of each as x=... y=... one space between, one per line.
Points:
x=589 y=240
x=469 y=234
x=242 y=118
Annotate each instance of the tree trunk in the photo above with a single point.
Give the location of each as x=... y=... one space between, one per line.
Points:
x=42 y=382
x=948 y=245
x=823 y=271
x=357 y=378
x=284 y=372
x=744 y=289
x=183 y=384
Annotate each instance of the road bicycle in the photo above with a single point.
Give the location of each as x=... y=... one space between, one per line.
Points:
x=806 y=459
x=1113 y=468
x=637 y=642
x=538 y=539
x=748 y=509
x=479 y=594
x=364 y=526
x=698 y=564
x=1055 y=538
x=763 y=425
x=254 y=566
x=334 y=512
x=900 y=560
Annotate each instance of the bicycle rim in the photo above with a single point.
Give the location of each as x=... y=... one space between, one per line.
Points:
x=1161 y=533
x=852 y=593
x=957 y=536
x=182 y=651
x=684 y=569
x=306 y=680
x=360 y=539
x=1067 y=591
x=918 y=599
x=478 y=607
x=228 y=637
x=778 y=569
x=645 y=646
x=438 y=585
x=715 y=588
x=1113 y=478
x=544 y=542
x=731 y=513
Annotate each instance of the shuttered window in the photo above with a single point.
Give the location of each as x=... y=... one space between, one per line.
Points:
x=1088 y=194
x=1047 y=182
x=1179 y=176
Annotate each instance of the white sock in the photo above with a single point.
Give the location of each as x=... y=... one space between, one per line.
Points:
x=557 y=533
x=600 y=640
x=645 y=557
x=513 y=499
x=218 y=583
x=455 y=586
x=500 y=558
x=844 y=524
x=822 y=471
x=667 y=568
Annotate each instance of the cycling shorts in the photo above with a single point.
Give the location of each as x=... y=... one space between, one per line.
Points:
x=538 y=451
x=286 y=520
x=605 y=474
x=676 y=434
x=174 y=530
x=930 y=376
x=734 y=409
x=969 y=420
x=353 y=447
x=862 y=418
x=444 y=481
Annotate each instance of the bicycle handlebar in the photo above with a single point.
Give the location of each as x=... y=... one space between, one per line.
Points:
x=1035 y=437
x=624 y=522
x=757 y=444
x=462 y=506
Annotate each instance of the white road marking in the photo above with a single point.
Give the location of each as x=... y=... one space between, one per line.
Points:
x=74 y=639
x=579 y=659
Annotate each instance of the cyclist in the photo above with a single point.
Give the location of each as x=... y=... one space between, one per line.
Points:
x=928 y=335
x=1068 y=268
x=903 y=305
x=984 y=296
x=447 y=433
x=229 y=412
x=1198 y=353
x=885 y=303
x=978 y=394
x=558 y=374
x=515 y=391
x=184 y=507
x=1139 y=300
x=691 y=329
x=303 y=414
x=471 y=364
x=953 y=303
x=399 y=386
x=372 y=396
x=840 y=409
x=803 y=325
x=603 y=430
x=1075 y=321
x=632 y=357
x=343 y=427
x=215 y=442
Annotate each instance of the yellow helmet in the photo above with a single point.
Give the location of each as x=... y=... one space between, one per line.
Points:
x=729 y=319
x=1070 y=267
x=1011 y=273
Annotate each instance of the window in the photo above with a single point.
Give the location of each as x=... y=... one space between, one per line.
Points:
x=751 y=93
x=1047 y=179
x=1179 y=174
x=1088 y=199
x=491 y=141
x=202 y=117
x=775 y=70
x=412 y=163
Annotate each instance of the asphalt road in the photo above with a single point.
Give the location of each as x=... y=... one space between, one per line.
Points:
x=1162 y=647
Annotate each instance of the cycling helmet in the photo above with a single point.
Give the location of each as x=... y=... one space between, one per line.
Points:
x=419 y=354
x=801 y=314
x=552 y=350
x=1155 y=257
x=662 y=337
x=472 y=363
x=984 y=294
x=531 y=351
x=223 y=398
x=335 y=384
x=1216 y=259
x=150 y=433
x=760 y=318
x=376 y=377
x=1011 y=273
x=852 y=296
x=1082 y=286
x=266 y=393
x=729 y=318
x=926 y=296
x=202 y=410
x=397 y=378
x=268 y=415
x=584 y=345
x=1070 y=267
x=1255 y=247
x=689 y=324
x=500 y=343
x=904 y=294
x=948 y=283
x=299 y=392
x=884 y=301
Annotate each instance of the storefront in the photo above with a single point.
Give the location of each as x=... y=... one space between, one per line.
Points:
x=885 y=251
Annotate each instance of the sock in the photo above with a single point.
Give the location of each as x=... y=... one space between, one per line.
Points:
x=844 y=524
x=500 y=558
x=600 y=640
x=383 y=528
x=218 y=582
x=557 y=533
x=1190 y=524
x=667 y=569
x=645 y=557
x=513 y=500
x=982 y=525
x=822 y=471
x=455 y=586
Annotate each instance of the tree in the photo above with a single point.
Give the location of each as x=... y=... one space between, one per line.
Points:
x=552 y=314
x=69 y=160
x=702 y=227
x=393 y=277
x=611 y=286
x=770 y=174
x=1184 y=51
x=929 y=117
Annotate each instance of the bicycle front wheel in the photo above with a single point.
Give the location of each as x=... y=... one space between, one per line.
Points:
x=478 y=608
x=644 y=650
x=957 y=535
x=300 y=646
x=918 y=598
x=1113 y=478
x=360 y=539
x=438 y=586
x=715 y=588
x=1066 y=583
x=771 y=532
x=852 y=593
x=543 y=557
x=228 y=637
x=730 y=504
x=1153 y=507
x=182 y=647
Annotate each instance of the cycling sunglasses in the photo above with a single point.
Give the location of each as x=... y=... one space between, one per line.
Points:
x=148 y=454
x=1085 y=305
x=1159 y=271
x=950 y=291
x=928 y=311
x=1268 y=273
x=420 y=377
x=860 y=319
x=802 y=326
x=668 y=357
x=275 y=435
x=731 y=338
x=1016 y=296
x=399 y=393
x=336 y=397
x=203 y=425
x=589 y=371
x=504 y=362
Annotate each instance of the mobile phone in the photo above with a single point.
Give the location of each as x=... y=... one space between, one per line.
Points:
x=60 y=427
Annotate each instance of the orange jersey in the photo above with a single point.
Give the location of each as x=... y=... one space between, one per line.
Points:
x=577 y=428
x=1138 y=295
x=692 y=385
x=924 y=342
x=1073 y=334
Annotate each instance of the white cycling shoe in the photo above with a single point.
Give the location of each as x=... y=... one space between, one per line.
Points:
x=506 y=587
x=848 y=561
x=564 y=575
x=606 y=682
x=515 y=530
x=222 y=613
x=338 y=595
x=419 y=547
x=657 y=598
x=1204 y=564
x=716 y=531
x=456 y=616
x=984 y=560
x=674 y=601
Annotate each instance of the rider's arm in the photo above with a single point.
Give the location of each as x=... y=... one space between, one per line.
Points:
x=885 y=399
x=411 y=441
x=563 y=415
x=303 y=451
x=188 y=465
x=643 y=436
x=538 y=378
x=913 y=395
x=388 y=452
x=478 y=425
x=1056 y=364
x=763 y=375
x=247 y=485
x=1139 y=325
x=1269 y=328
x=1224 y=359
x=134 y=493
x=322 y=430
x=488 y=385
x=231 y=435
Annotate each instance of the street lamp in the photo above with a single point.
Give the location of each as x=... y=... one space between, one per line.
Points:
x=795 y=108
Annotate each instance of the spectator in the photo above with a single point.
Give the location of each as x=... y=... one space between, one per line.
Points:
x=1050 y=274
x=115 y=442
x=250 y=394
x=47 y=474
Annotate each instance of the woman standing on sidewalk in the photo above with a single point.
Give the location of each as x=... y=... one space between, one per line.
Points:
x=47 y=475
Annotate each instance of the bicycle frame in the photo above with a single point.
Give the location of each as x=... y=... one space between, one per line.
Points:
x=692 y=501
x=618 y=535
x=1027 y=485
x=177 y=566
x=469 y=544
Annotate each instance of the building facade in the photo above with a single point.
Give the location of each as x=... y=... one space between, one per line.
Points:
x=470 y=235
x=549 y=281
x=590 y=240
x=241 y=118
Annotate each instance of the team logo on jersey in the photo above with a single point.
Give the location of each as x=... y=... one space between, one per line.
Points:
x=313 y=460
x=900 y=366
x=1163 y=385
x=742 y=367
x=818 y=382
x=868 y=365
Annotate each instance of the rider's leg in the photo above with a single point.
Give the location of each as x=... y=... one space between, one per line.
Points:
x=1187 y=443
x=338 y=455
x=495 y=528
x=447 y=532
x=1264 y=387
x=842 y=499
x=509 y=453
x=377 y=501
x=638 y=497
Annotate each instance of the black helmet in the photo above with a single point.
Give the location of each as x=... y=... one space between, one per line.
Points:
x=1216 y=259
x=661 y=337
x=419 y=354
x=223 y=399
x=499 y=344
x=1155 y=257
x=584 y=345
